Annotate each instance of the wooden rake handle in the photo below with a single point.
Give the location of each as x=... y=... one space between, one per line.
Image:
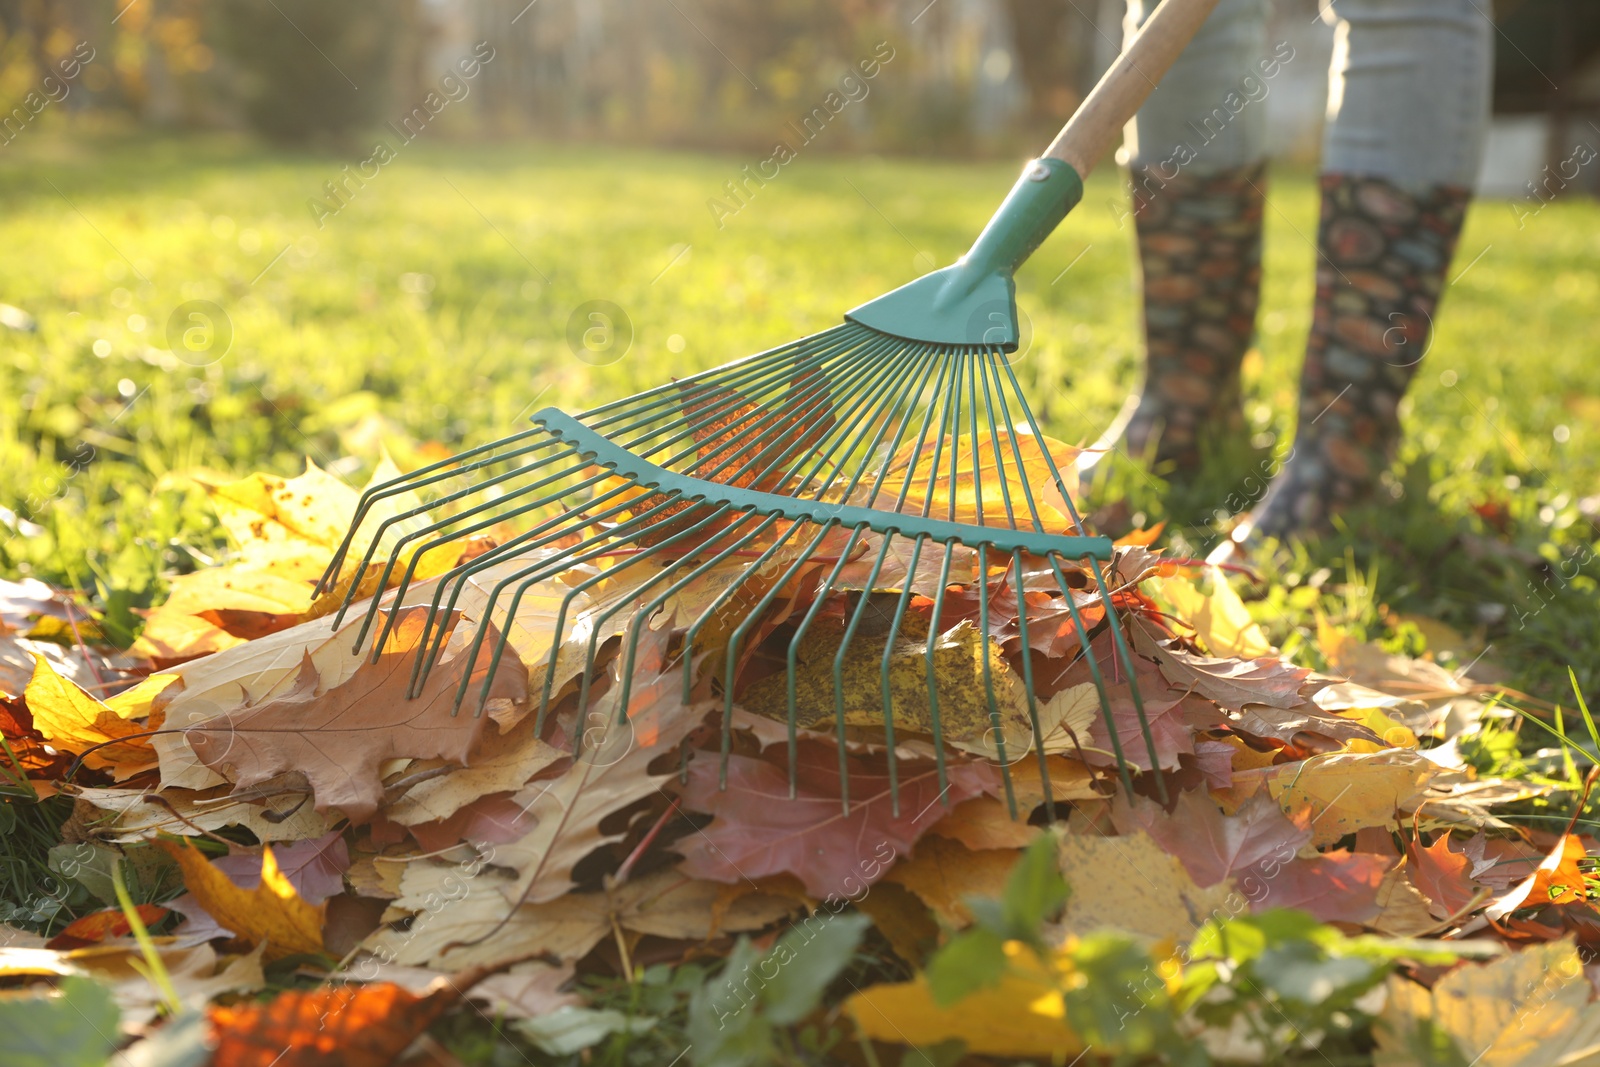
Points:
x=1120 y=91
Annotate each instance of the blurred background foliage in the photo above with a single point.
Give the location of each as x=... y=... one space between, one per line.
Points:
x=717 y=73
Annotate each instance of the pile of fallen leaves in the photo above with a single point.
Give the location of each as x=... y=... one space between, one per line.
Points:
x=297 y=861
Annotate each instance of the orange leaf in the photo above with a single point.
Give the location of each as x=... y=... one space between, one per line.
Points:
x=347 y=1026
x=338 y=1026
x=1558 y=879
x=272 y=912
x=100 y=925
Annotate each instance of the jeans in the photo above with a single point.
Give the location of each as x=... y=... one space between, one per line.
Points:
x=1408 y=92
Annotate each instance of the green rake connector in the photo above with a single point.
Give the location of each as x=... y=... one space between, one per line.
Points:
x=840 y=447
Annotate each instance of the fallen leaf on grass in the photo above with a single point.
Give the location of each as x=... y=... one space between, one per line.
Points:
x=760 y=830
x=959 y=659
x=903 y=920
x=339 y=737
x=196 y=972
x=452 y=912
x=1529 y=1009
x=1221 y=621
x=612 y=773
x=943 y=873
x=273 y=913
x=354 y=1026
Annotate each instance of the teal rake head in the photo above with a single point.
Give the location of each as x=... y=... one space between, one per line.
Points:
x=790 y=515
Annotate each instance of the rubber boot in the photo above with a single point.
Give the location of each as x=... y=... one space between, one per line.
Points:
x=1200 y=257
x=1383 y=254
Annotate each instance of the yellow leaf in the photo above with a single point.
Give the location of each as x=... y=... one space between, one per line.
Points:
x=73 y=721
x=315 y=508
x=1528 y=1009
x=1349 y=790
x=1130 y=883
x=272 y=913
x=1221 y=621
x=910 y=470
x=1022 y=1016
x=944 y=872
x=1394 y=734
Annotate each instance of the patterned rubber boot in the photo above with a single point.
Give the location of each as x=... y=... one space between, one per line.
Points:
x=1383 y=256
x=1200 y=254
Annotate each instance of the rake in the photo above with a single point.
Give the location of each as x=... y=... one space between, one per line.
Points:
x=899 y=441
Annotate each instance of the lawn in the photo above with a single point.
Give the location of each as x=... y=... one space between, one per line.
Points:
x=432 y=311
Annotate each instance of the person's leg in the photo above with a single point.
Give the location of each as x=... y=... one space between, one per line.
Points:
x=1408 y=109
x=1197 y=168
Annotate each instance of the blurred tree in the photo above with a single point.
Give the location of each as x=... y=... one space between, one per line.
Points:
x=309 y=68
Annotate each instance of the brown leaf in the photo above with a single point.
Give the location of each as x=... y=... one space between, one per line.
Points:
x=341 y=736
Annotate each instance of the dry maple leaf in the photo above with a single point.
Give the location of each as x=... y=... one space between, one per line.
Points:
x=1023 y=1016
x=340 y=737
x=761 y=830
x=1444 y=876
x=1337 y=886
x=272 y=913
x=1557 y=880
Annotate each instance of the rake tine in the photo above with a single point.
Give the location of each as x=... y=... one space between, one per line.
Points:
x=1111 y=615
x=594 y=633
x=729 y=593
x=398 y=485
x=456 y=579
x=988 y=678
x=888 y=654
x=838 y=680
x=1027 y=683
x=439 y=542
x=794 y=647
x=933 y=679
x=863 y=375
x=640 y=525
x=649 y=610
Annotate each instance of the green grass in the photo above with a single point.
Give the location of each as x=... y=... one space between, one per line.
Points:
x=433 y=308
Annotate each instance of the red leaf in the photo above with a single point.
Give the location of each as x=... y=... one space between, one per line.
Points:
x=759 y=830
x=1336 y=886
x=1213 y=846
x=94 y=928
